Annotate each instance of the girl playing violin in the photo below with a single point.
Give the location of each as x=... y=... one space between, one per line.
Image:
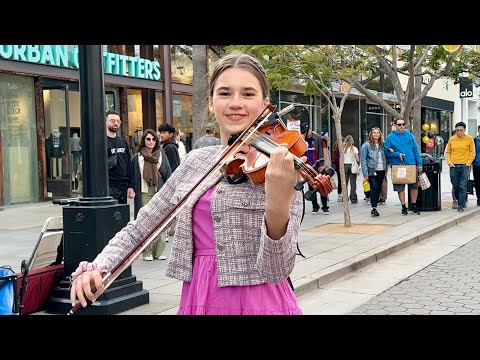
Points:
x=235 y=244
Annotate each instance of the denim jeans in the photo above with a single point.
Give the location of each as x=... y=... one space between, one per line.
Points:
x=458 y=178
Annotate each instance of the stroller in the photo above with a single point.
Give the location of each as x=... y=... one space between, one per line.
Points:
x=39 y=275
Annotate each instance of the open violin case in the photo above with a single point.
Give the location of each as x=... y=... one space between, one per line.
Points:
x=28 y=291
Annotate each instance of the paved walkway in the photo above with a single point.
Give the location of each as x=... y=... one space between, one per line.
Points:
x=330 y=249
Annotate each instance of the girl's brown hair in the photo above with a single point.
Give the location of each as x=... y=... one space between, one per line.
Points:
x=243 y=61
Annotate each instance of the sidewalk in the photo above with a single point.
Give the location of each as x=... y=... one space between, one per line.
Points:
x=330 y=249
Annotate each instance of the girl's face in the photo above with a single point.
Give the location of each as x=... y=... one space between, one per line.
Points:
x=237 y=100
x=376 y=134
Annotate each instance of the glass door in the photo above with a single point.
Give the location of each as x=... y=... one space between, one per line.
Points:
x=59 y=159
x=18 y=145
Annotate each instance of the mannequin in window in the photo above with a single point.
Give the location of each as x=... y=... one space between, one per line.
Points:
x=75 y=149
x=55 y=152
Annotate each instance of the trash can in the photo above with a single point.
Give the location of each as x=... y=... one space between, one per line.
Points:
x=431 y=198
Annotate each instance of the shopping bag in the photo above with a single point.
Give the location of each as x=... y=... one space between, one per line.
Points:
x=470 y=186
x=333 y=183
x=423 y=181
x=366 y=185
x=355 y=168
x=404 y=174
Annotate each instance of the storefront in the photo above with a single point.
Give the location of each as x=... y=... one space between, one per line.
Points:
x=437 y=115
x=40 y=123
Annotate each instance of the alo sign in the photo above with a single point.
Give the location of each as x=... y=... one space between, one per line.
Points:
x=63 y=56
x=466 y=88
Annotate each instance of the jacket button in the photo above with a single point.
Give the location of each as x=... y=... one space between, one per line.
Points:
x=245 y=203
x=220 y=247
x=216 y=218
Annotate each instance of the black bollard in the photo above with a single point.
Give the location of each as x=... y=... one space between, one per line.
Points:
x=91 y=221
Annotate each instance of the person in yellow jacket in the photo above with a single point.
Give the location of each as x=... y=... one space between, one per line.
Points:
x=460 y=155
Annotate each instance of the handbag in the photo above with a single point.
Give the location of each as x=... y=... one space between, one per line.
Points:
x=355 y=168
x=423 y=181
x=404 y=174
x=38 y=287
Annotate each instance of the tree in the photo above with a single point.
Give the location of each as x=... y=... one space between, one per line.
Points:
x=321 y=68
x=414 y=62
x=199 y=90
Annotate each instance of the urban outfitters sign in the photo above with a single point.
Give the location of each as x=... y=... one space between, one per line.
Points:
x=65 y=56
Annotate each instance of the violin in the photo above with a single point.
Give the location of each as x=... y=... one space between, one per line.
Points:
x=246 y=156
x=251 y=159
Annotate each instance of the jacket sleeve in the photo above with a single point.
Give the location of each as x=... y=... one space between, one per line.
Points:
x=471 y=154
x=165 y=169
x=173 y=157
x=136 y=230
x=448 y=153
x=389 y=144
x=363 y=159
x=276 y=258
x=131 y=180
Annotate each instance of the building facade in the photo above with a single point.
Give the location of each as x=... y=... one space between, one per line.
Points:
x=40 y=122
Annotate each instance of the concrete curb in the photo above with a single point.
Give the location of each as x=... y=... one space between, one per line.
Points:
x=343 y=268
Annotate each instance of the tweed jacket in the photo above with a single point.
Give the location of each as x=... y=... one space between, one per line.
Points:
x=245 y=254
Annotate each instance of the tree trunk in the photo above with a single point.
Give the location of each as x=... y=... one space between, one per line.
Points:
x=417 y=113
x=199 y=90
x=338 y=129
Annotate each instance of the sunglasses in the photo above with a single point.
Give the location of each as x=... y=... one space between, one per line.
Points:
x=150 y=139
x=402 y=124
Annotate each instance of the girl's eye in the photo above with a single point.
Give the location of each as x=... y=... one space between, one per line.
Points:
x=223 y=93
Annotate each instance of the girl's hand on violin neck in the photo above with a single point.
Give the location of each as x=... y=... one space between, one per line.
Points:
x=281 y=176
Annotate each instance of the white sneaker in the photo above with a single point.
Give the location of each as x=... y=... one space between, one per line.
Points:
x=148 y=258
x=161 y=257
x=315 y=212
x=340 y=198
x=326 y=212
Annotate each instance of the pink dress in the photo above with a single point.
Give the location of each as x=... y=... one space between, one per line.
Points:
x=203 y=296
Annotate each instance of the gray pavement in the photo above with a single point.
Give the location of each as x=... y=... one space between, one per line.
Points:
x=363 y=291
x=448 y=286
x=331 y=250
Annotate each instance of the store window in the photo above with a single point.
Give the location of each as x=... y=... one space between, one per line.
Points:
x=19 y=139
x=315 y=114
x=135 y=117
x=182 y=117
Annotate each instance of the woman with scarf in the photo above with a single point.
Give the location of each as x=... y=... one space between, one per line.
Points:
x=150 y=171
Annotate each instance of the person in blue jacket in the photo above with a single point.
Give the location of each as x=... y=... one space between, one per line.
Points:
x=401 y=148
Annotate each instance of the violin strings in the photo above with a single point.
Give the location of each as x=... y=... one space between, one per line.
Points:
x=270 y=145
